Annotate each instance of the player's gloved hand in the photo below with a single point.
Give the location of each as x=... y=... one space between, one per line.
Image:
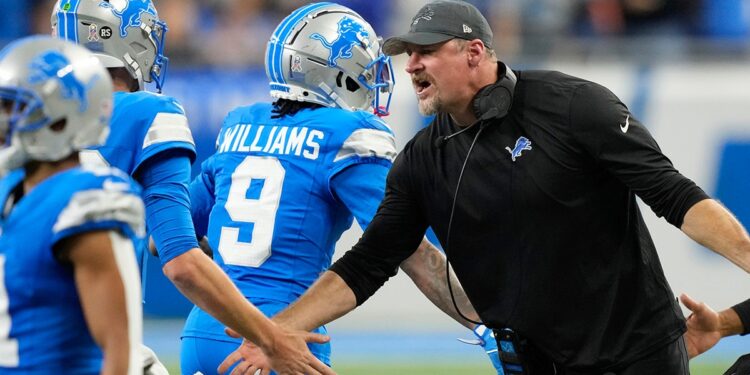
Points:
x=741 y=367
x=151 y=363
x=486 y=339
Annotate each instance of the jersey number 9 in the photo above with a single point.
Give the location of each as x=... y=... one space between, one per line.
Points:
x=260 y=211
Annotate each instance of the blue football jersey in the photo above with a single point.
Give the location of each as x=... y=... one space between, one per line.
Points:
x=42 y=327
x=143 y=124
x=272 y=217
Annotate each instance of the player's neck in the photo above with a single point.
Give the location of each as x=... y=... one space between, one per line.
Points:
x=38 y=171
x=119 y=86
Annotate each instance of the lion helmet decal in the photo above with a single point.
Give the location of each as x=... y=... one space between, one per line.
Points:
x=327 y=54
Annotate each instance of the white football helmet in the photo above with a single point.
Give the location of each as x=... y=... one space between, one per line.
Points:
x=328 y=54
x=122 y=33
x=44 y=81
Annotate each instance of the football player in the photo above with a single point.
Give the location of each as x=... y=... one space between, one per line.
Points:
x=150 y=140
x=69 y=289
x=288 y=178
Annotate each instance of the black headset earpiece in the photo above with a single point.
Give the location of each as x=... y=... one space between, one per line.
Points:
x=496 y=99
x=491 y=101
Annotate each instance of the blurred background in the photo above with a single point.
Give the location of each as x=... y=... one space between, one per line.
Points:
x=682 y=67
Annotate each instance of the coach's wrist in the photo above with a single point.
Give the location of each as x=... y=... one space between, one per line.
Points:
x=729 y=323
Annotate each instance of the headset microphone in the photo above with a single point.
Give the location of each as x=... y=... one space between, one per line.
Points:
x=492 y=101
x=440 y=141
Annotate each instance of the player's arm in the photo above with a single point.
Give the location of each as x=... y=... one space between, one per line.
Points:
x=168 y=213
x=198 y=278
x=202 y=200
x=106 y=277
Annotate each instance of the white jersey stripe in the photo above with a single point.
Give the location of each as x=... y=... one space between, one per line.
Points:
x=368 y=143
x=124 y=253
x=168 y=127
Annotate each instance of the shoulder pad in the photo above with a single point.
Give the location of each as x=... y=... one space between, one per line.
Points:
x=114 y=201
x=368 y=143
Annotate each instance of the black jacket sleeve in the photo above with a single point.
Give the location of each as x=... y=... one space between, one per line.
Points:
x=743 y=310
x=392 y=236
x=620 y=144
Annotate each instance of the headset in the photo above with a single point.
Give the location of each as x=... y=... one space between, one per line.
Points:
x=491 y=102
x=495 y=100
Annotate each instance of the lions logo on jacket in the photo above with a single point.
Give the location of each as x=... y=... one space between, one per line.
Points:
x=522 y=144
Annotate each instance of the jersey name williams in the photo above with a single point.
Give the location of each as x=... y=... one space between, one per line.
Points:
x=280 y=140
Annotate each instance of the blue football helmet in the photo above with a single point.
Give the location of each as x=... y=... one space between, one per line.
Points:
x=43 y=81
x=327 y=54
x=121 y=33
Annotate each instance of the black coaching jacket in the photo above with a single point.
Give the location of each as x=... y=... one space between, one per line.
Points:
x=547 y=237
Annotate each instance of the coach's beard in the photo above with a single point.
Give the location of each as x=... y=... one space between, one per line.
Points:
x=430 y=105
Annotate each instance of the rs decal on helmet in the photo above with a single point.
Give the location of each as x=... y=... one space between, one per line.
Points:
x=130 y=14
x=122 y=34
x=53 y=65
x=350 y=33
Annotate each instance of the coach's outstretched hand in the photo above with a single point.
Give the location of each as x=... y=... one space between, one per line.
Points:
x=282 y=358
x=486 y=339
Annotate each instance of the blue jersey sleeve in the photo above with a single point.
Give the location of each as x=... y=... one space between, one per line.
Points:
x=371 y=142
x=361 y=188
x=165 y=194
x=166 y=129
x=202 y=199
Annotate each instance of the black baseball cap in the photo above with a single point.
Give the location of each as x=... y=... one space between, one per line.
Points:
x=440 y=21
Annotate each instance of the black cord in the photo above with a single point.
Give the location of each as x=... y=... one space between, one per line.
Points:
x=450 y=225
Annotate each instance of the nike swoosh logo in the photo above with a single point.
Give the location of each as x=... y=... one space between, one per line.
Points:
x=625 y=127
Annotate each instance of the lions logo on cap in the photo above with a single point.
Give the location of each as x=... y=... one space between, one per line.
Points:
x=350 y=33
x=53 y=65
x=129 y=12
x=426 y=14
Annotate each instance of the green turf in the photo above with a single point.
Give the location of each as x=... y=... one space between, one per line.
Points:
x=427 y=369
